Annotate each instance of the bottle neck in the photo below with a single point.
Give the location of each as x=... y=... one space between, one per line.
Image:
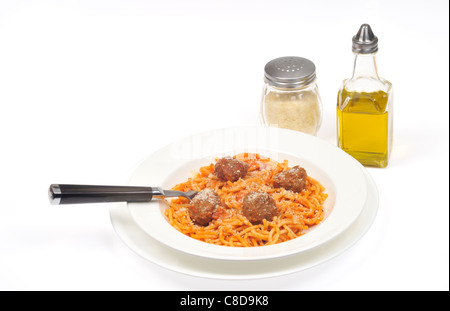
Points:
x=365 y=66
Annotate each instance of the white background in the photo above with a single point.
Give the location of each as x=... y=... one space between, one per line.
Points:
x=90 y=88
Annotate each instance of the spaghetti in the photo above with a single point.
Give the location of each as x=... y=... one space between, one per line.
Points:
x=296 y=211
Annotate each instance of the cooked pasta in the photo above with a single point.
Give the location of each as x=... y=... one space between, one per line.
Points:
x=296 y=211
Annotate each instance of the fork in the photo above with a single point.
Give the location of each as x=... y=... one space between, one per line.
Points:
x=77 y=194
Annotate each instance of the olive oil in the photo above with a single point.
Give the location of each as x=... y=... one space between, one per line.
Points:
x=364 y=106
x=364 y=126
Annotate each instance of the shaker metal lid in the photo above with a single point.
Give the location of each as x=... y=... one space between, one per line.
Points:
x=365 y=42
x=290 y=72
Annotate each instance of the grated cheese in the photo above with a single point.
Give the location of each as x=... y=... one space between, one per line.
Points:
x=299 y=111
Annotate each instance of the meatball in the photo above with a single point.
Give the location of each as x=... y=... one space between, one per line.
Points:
x=203 y=206
x=293 y=179
x=230 y=169
x=258 y=205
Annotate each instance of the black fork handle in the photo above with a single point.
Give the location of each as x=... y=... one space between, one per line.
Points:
x=77 y=194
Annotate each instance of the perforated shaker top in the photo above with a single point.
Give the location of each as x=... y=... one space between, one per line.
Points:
x=290 y=72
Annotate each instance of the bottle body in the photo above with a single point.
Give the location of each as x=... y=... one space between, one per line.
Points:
x=364 y=114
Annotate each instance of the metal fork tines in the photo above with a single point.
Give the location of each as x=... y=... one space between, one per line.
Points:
x=159 y=193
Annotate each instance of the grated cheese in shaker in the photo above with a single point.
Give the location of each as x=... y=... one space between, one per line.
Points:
x=291 y=97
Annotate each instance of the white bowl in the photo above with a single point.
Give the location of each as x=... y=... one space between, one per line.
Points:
x=339 y=173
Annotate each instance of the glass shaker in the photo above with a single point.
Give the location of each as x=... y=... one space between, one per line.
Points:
x=291 y=97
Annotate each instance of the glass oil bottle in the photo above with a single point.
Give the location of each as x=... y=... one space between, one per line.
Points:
x=364 y=107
